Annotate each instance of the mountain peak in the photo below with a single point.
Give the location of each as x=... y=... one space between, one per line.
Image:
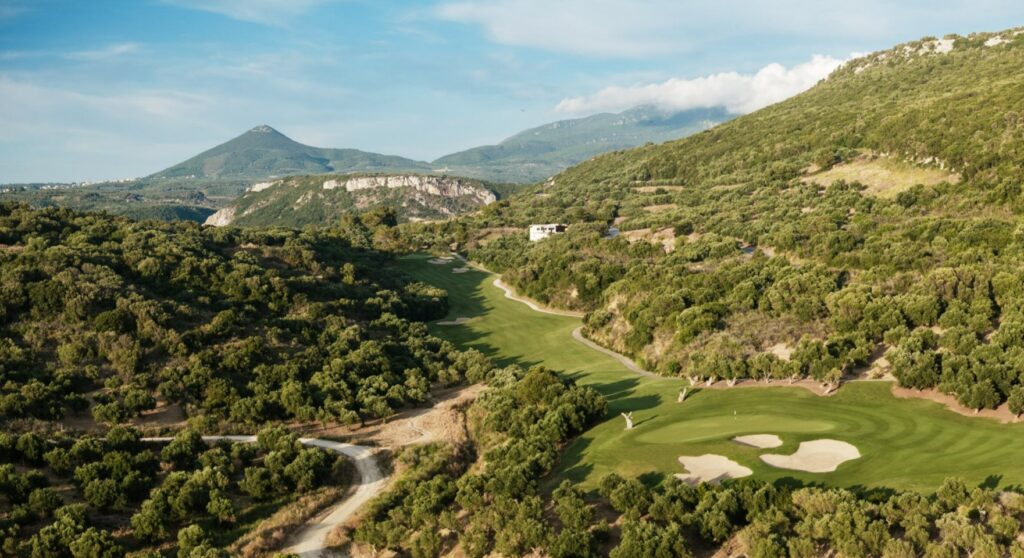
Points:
x=263 y=129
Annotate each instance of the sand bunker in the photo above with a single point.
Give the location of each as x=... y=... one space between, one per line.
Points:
x=710 y=468
x=440 y=261
x=456 y=321
x=762 y=441
x=460 y=269
x=817 y=456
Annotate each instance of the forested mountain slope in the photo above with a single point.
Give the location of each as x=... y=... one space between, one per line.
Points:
x=952 y=103
x=538 y=153
x=876 y=214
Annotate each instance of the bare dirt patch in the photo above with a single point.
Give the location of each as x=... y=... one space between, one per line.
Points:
x=636 y=235
x=816 y=456
x=710 y=468
x=781 y=350
x=665 y=236
x=761 y=441
x=817 y=388
x=444 y=422
x=653 y=189
x=878 y=367
x=164 y=415
x=1001 y=413
x=883 y=176
x=491 y=234
x=660 y=208
x=457 y=321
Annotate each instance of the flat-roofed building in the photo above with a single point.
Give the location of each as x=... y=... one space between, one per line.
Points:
x=540 y=232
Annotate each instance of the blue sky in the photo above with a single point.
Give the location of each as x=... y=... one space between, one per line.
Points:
x=103 y=89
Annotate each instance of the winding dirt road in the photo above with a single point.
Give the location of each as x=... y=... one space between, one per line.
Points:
x=311 y=540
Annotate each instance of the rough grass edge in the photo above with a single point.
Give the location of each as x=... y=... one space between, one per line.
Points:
x=272 y=533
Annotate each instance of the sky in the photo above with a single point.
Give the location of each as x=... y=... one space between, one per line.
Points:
x=109 y=89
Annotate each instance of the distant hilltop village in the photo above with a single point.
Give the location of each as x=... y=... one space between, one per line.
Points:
x=20 y=187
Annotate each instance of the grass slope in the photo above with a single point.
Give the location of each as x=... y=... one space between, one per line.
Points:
x=904 y=444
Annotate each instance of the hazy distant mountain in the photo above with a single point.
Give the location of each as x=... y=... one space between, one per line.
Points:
x=213 y=179
x=537 y=153
x=529 y=156
x=263 y=152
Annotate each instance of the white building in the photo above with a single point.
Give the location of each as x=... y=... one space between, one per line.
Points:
x=540 y=232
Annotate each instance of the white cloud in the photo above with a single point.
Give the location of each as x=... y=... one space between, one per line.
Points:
x=737 y=93
x=641 y=28
x=600 y=27
x=267 y=12
x=105 y=53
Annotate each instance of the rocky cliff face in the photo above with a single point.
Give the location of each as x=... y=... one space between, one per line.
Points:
x=313 y=199
x=221 y=218
x=449 y=187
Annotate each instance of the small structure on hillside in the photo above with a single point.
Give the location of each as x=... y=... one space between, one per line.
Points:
x=540 y=232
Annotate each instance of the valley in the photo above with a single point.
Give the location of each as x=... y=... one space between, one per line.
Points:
x=724 y=304
x=905 y=444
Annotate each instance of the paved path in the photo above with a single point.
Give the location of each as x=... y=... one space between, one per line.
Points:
x=311 y=540
x=509 y=293
x=577 y=334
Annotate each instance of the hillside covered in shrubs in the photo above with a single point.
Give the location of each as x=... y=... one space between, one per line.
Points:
x=875 y=215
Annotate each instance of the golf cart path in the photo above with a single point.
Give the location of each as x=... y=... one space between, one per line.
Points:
x=624 y=360
x=511 y=294
x=1001 y=414
x=310 y=542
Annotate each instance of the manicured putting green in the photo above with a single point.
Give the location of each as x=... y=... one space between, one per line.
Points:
x=906 y=444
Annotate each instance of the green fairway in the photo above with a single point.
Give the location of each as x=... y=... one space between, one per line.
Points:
x=904 y=443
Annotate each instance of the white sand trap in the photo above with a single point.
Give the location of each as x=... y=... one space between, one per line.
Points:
x=762 y=441
x=440 y=261
x=816 y=456
x=460 y=269
x=710 y=468
x=456 y=321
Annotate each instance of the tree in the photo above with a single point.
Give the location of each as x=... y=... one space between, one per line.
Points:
x=94 y=543
x=44 y=501
x=258 y=483
x=184 y=449
x=1016 y=400
x=104 y=494
x=642 y=538
x=191 y=538
x=308 y=467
